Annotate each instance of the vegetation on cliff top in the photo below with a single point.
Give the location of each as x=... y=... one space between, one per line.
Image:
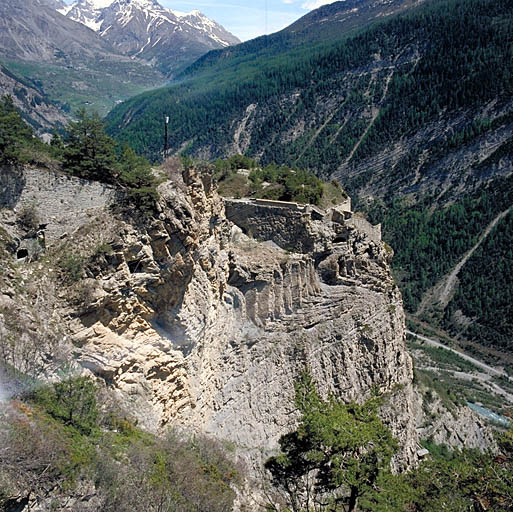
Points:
x=84 y=150
x=240 y=176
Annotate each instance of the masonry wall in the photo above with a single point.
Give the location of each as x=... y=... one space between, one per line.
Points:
x=362 y=224
x=62 y=202
x=286 y=226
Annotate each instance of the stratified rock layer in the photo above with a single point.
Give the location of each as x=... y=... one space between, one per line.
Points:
x=194 y=324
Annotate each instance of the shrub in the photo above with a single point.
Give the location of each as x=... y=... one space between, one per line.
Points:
x=72 y=401
x=72 y=266
x=336 y=454
x=28 y=216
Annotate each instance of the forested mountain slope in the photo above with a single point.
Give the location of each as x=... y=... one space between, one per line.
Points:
x=329 y=23
x=311 y=108
x=413 y=115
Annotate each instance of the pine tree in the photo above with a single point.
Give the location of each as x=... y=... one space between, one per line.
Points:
x=14 y=132
x=135 y=171
x=334 y=457
x=89 y=152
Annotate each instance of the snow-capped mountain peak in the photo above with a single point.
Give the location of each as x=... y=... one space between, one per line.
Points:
x=86 y=12
x=145 y=29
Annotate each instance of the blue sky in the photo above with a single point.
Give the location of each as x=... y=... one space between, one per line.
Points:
x=248 y=19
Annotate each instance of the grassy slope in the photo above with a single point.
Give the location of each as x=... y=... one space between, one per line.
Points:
x=99 y=87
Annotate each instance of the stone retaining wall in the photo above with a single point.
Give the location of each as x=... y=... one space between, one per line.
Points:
x=362 y=224
x=61 y=202
x=285 y=224
x=288 y=224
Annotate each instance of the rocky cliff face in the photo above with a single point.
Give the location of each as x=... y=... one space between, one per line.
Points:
x=32 y=101
x=192 y=323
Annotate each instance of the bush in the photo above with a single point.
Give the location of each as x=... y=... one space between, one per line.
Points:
x=28 y=216
x=135 y=171
x=55 y=443
x=72 y=401
x=32 y=456
x=168 y=475
x=72 y=267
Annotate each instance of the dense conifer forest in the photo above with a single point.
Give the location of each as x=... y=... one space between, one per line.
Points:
x=485 y=292
x=455 y=39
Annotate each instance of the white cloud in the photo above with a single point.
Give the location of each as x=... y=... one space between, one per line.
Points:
x=314 y=4
x=288 y=1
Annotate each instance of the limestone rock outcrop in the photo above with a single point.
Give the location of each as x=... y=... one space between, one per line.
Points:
x=457 y=426
x=192 y=323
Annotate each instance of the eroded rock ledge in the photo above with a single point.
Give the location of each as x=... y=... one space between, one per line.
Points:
x=193 y=323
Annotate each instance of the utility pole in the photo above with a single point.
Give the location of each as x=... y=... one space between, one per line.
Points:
x=165 y=137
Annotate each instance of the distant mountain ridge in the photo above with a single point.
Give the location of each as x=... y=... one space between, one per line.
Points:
x=69 y=65
x=148 y=31
x=325 y=25
x=348 y=14
x=135 y=46
x=31 y=30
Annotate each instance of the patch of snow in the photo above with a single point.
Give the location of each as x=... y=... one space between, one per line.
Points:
x=178 y=14
x=145 y=4
x=142 y=49
x=96 y=4
x=65 y=10
x=92 y=24
x=103 y=32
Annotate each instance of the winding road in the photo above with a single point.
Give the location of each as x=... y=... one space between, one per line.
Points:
x=487 y=368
